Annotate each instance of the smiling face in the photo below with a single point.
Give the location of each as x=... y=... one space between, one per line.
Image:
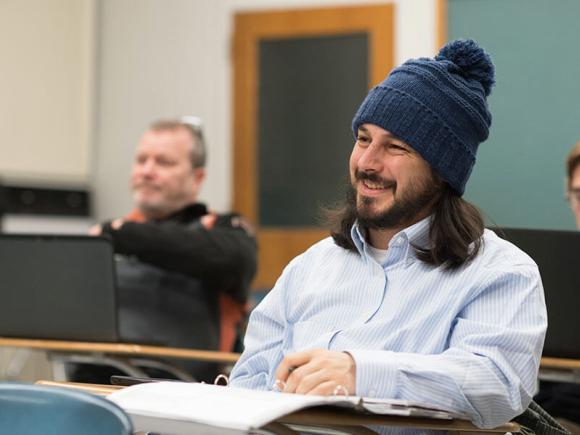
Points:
x=394 y=186
x=163 y=179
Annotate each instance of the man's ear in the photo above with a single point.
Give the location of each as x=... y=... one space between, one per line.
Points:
x=199 y=175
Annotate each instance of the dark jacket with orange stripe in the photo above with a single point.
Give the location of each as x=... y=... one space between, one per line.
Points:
x=184 y=280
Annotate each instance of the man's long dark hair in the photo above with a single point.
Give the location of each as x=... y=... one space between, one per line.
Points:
x=454 y=235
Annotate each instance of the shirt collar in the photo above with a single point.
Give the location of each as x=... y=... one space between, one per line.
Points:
x=416 y=235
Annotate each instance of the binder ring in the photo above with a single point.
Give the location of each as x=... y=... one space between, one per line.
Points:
x=338 y=389
x=220 y=378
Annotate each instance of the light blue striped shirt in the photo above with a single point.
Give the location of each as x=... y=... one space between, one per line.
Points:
x=467 y=340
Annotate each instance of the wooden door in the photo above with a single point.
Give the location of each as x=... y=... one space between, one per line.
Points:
x=299 y=76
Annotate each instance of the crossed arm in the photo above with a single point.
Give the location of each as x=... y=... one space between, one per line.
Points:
x=224 y=256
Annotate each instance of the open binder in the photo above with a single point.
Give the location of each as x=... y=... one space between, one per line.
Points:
x=242 y=409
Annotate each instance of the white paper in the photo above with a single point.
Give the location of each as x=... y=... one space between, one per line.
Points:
x=231 y=407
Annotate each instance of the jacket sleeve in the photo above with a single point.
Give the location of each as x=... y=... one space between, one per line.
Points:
x=223 y=257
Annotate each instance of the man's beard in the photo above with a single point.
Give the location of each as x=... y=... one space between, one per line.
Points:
x=154 y=206
x=417 y=196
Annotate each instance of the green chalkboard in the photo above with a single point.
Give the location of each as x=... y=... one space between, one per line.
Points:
x=309 y=91
x=518 y=179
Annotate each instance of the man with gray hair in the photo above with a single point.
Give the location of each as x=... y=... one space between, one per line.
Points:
x=183 y=271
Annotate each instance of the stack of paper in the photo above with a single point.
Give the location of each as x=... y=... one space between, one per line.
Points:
x=241 y=409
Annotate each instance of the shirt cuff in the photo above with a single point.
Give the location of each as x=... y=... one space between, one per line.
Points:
x=376 y=373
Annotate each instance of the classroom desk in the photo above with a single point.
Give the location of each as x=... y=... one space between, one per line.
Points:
x=116 y=354
x=342 y=420
x=60 y=352
x=171 y=352
x=560 y=370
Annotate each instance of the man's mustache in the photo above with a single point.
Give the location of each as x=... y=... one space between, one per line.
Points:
x=146 y=185
x=375 y=178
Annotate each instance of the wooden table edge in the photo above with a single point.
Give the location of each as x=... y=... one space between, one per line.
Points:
x=120 y=348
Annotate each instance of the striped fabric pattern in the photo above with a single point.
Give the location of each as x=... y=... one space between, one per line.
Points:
x=467 y=340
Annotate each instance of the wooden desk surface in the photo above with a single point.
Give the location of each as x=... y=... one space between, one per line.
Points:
x=560 y=363
x=97 y=389
x=202 y=355
x=322 y=416
x=120 y=348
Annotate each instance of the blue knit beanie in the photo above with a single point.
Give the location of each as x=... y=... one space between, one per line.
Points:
x=437 y=106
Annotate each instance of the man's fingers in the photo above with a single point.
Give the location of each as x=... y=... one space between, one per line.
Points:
x=326 y=388
x=309 y=372
x=96 y=230
x=208 y=221
x=298 y=375
x=291 y=362
x=117 y=223
x=310 y=381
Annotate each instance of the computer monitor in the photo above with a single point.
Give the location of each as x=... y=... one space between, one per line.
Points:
x=57 y=287
x=557 y=254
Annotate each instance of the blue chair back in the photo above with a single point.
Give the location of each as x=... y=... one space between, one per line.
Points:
x=35 y=409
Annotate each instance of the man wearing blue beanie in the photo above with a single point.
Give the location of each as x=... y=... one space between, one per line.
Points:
x=411 y=298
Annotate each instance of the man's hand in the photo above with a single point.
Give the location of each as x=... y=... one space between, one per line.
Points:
x=319 y=372
x=97 y=230
x=117 y=223
x=208 y=221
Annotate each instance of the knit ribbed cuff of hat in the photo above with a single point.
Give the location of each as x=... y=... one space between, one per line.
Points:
x=411 y=121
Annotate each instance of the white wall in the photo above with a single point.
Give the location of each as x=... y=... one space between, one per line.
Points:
x=46 y=102
x=46 y=87
x=164 y=58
